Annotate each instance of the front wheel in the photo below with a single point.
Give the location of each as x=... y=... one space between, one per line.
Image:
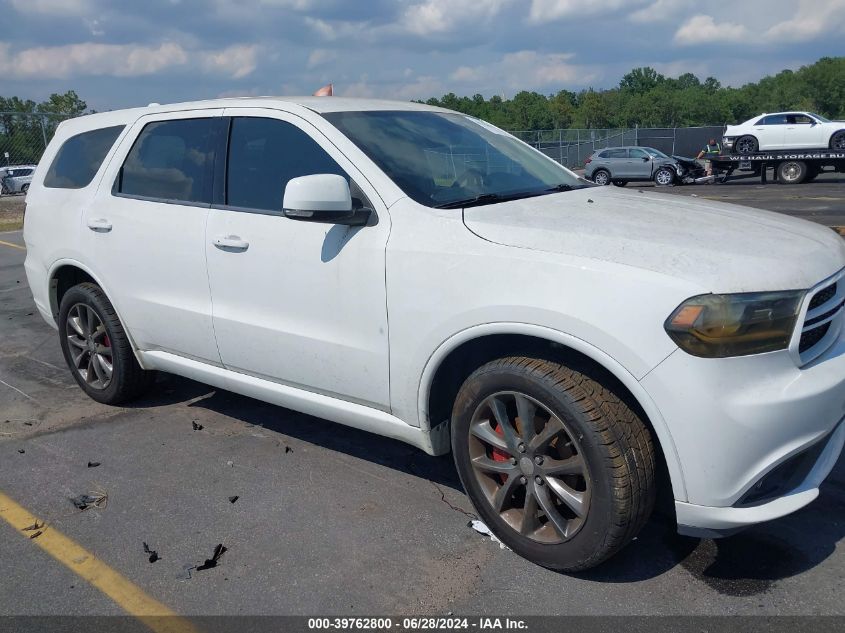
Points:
x=664 y=177
x=96 y=348
x=558 y=467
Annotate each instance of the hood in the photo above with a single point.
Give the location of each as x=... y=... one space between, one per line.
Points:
x=721 y=247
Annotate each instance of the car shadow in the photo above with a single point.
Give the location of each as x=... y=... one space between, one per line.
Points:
x=746 y=564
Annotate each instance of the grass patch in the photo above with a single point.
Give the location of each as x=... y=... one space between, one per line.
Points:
x=11 y=224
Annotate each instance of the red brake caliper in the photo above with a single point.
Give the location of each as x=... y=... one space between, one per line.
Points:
x=498 y=454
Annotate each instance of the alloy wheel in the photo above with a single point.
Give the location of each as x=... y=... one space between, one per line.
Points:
x=530 y=467
x=601 y=178
x=664 y=177
x=839 y=142
x=89 y=346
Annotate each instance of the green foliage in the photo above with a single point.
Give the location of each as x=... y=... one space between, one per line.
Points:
x=646 y=98
x=26 y=126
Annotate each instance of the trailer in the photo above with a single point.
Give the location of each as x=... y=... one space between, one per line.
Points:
x=789 y=167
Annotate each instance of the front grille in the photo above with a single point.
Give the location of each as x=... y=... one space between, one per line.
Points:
x=824 y=315
x=823 y=296
x=811 y=338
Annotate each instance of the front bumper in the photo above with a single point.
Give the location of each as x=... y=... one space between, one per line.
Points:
x=735 y=421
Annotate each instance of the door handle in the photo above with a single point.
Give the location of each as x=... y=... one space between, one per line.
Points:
x=99 y=225
x=231 y=243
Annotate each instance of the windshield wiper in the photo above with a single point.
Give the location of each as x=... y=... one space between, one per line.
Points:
x=560 y=187
x=487 y=198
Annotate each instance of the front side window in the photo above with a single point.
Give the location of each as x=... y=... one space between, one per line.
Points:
x=656 y=152
x=799 y=119
x=170 y=160
x=451 y=160
x=638 y=153
x=264 y=154
x=79 y=158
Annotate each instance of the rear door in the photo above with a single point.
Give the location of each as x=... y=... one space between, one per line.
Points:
x=616 y=161
x=299 y=303
x=770 y=131
x=145 y=232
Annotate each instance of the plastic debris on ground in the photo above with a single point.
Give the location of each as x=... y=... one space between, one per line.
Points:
x=196 y=426
x=153 y=554
x=93 y=464
x=481 y=528
x=96 y=499
x=211 y=563
x=233 y=498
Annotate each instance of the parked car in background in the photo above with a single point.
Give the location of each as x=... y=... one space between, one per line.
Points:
x=785 y=130
x=424 y=275
x=621 y=165
x=16 y=179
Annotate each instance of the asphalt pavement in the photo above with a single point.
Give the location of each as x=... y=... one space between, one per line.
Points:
x=328 y=519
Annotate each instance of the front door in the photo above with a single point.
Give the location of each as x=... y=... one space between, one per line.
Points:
x=299 y=303
x=147 y=232
x=803 y=132
x=639 y=164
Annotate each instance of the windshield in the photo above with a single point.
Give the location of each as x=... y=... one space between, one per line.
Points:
x=443 y=160
x=655 y=152
x=820 y=117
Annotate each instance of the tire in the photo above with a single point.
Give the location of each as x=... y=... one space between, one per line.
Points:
x=24 y=188
x=664 y=177
x=107 y=340
x=837 y=141
x=601 y=177
x=586 y=426
x=791 y=172
x=746 y=145
x=620 y=183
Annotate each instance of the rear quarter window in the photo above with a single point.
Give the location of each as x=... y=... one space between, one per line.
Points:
x=79 y=158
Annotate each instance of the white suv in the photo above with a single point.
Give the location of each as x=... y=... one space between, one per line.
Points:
x=421 y=274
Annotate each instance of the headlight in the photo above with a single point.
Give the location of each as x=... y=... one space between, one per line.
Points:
x=718 y=326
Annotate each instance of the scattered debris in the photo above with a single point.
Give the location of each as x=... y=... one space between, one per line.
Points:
x=211 y=563
x=93 y=464
x=481 y=528
x=34 y=526
x=35 y=535
x=97 y=499
x=153 y=554
x=21 y=451
x=230 y=464
x=590 y=200
x=694 y=195
x=233 y=498
x=288 y=449
x=196 y=426
x=27 y=423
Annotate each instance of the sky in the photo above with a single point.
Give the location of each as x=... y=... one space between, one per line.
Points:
x=126 y=53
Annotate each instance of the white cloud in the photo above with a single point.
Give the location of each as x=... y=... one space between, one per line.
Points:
x=123 y=60
x=703 y=29
x=118 y=60
x=235 y=61
x=543 y=11
x=320 y=56
x=660 y=11
x=53 y=7
x=441 y=16
x=812 y=19
x=525 y=70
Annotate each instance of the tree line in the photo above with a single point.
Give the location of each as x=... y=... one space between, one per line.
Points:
x=646 y=98
x=25 y=137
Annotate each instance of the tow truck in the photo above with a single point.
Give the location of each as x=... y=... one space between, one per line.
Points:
x=790 y=167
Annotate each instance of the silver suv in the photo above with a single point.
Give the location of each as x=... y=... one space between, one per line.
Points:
x=16 y=179
x=621 y=165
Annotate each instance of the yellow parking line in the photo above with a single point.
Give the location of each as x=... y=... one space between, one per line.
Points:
x=84 y=564
x=23 y=248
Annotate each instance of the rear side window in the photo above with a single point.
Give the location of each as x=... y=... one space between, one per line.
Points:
x=170 y=160
x=80 y=157
x=264 y=154
x=614 y=153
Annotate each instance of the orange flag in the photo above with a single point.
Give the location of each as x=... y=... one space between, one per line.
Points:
x=325 y=91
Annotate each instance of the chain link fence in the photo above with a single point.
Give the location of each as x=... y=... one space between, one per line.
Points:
x=572 y=147
x=24 y=136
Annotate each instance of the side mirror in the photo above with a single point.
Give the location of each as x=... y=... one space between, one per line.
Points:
x=322 y=198
x=646 y=159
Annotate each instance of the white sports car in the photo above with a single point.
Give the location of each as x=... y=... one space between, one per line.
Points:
x=785 y=130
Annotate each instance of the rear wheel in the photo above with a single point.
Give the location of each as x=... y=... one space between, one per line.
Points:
x=558 y=467
x=837 y=141
x=792 y=172
x=746 y=145
x=601 y=177
x=24 y=188
x=96 y=348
